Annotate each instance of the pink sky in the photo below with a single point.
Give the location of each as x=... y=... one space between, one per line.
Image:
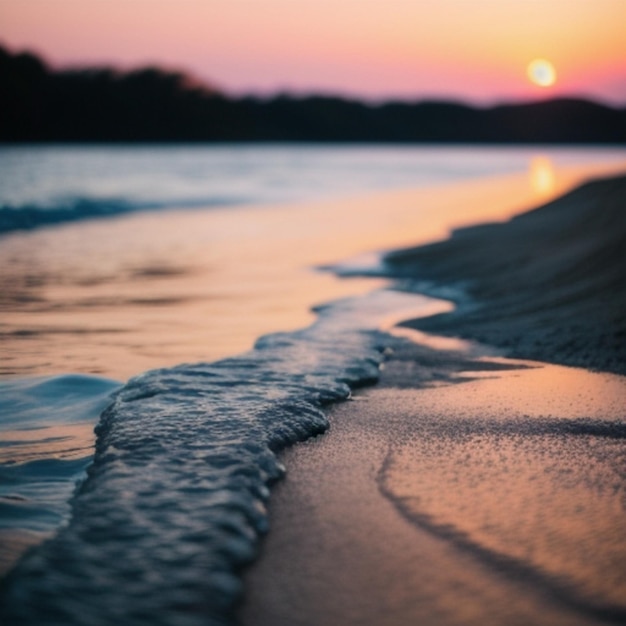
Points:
x=475 y=50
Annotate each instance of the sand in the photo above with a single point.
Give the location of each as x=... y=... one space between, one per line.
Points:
x=469 y=489
x=547 y=285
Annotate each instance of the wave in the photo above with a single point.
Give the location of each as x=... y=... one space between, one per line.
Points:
x=174 y=502
x=41 y=504
x=31 y=216
x=34 y=402
x=46 y=444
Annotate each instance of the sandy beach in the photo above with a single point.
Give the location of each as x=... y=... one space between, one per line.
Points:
x=548 y=285
x=467 y=488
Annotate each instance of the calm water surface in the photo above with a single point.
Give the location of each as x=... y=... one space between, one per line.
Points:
x=149 y=287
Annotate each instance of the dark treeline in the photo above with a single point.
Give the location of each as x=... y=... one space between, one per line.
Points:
x=103 y=105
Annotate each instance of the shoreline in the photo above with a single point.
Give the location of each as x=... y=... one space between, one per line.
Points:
x=192 y=381
x=358 y=536
x=462 y=489
x=121 y=296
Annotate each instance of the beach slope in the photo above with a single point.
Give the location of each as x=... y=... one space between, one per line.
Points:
x=464 y=489
x=547 y=285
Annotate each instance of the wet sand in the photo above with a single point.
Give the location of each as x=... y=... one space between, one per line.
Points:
x=467 y=489
x=446 y=505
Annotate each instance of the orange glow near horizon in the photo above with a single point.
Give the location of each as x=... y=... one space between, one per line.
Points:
x=475 y=50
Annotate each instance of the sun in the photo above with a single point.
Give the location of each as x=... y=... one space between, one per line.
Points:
x=541 y=72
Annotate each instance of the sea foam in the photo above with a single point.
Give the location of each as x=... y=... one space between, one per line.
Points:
x=174 y=502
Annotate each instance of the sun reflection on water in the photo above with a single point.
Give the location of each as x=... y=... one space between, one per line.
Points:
x=542 y=175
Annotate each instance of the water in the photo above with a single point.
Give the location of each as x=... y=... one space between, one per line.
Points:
x=50 y=184
x=173 y=503
x=46 y=444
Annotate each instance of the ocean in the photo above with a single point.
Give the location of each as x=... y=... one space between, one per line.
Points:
x=52 y=184
x=179 y=300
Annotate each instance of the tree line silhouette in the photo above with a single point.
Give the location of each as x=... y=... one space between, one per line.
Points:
x=38 y=104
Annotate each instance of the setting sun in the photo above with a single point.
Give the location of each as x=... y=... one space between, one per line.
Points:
x=367 y=49
x=541 y=72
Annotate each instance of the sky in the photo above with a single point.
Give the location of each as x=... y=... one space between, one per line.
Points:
x=471 y=50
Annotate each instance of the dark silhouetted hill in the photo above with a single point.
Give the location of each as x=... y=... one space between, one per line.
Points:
x=103 y=105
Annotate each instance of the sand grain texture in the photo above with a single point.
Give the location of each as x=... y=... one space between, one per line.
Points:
x=547 y=285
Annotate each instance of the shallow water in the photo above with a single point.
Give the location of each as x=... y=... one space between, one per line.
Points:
x=119 y=296
x=46 y=444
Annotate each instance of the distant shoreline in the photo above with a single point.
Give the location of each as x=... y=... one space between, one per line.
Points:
x=151 y=105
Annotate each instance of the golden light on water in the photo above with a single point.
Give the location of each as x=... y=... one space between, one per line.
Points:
x=542 y=175
x=541 y=73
